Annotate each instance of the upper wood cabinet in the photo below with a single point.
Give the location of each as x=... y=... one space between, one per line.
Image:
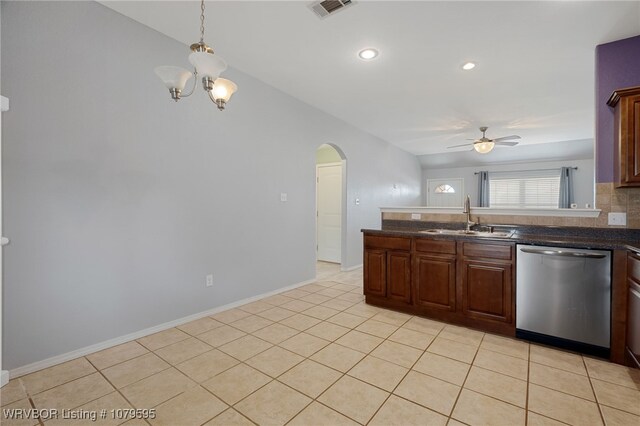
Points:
x=626 y=103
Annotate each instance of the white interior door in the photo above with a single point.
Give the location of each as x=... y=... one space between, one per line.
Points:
x=445 y=192
x=329 y=212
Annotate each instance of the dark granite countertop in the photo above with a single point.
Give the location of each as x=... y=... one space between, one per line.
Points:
x=592 y=238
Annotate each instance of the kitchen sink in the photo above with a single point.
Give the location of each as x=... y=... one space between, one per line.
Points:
x=470 y=233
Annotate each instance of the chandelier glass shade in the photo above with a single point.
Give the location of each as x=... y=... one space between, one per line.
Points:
x=206 y=65
x=173 y=77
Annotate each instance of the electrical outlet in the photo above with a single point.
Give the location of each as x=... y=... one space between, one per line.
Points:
x=283 y=196
x=619 y=219
x=415 y=216
x=209 y=282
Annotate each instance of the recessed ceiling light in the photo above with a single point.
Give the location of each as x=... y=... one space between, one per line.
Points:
x=368 y=53
x=469 y=66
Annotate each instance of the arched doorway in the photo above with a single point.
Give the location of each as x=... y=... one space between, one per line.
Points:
x=330 y=205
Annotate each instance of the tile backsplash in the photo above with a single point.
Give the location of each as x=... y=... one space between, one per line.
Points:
x=608 y=199
x=622 y=200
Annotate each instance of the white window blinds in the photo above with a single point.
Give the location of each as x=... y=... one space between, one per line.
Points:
x=525 y=189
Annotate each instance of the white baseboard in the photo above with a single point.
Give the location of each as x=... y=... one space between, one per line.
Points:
x=4 y=378
x=351 y=268
x=58 y=359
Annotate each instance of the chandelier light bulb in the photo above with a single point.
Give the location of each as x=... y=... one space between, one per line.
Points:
x=219 y=91
x=223 y=89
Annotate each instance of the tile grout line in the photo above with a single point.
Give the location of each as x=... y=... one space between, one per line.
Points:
x=276 y=378
x=116 y=389
x=526 y=400
x=405 y=374
x=593 y=389
x=455 y=403
x=33 y=406
x=342 y=374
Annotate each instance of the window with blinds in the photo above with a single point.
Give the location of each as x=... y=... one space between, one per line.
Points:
x=525 y=189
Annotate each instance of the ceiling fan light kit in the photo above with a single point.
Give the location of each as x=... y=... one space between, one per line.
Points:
x=484 y=145
x=206 y=65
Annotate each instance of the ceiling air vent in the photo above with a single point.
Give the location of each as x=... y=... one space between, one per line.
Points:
x=328 y=7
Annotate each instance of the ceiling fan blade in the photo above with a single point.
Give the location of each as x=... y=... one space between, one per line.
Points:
x=504 y=138
x=460 y=146
x=507 y=143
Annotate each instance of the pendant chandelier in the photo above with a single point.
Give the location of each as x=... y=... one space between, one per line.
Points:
x=206 y=65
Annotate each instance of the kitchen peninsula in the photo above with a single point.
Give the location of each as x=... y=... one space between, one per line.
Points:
x=437 y=270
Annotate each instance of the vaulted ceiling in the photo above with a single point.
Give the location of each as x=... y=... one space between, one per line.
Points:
x=534 y=74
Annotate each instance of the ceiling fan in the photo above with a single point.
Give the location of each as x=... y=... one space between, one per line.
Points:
x=485 y=145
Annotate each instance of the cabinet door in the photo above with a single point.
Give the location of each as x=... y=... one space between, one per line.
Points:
x=633 y=322
x=435 y=282
x=627 y=136
x=633 y=167
x=399 y=276
x=375 y=272
x=487 y=290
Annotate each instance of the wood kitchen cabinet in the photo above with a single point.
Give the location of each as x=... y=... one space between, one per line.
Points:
x=387 y=268
x=464 y=282
x=626 y=103
x=486 y=290
x=632 y=349
x=375 y=272
x=486 y=281
x=434 y=278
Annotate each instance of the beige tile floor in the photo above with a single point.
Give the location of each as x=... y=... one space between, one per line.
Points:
x=318 y=355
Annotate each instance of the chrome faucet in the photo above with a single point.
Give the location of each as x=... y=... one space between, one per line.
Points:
x=467 y=210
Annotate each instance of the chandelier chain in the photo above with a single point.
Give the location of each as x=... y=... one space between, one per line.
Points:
x=202 y=21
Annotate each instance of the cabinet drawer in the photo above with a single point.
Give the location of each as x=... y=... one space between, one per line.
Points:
x=392 y=243
x=633 y=267
x=435 y=246
x=488 y=250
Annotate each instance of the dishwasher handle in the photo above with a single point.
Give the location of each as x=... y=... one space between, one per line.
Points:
x=579 y=254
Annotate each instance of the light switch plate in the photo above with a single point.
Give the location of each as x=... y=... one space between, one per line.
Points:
x=283 y=196
x=618 y=219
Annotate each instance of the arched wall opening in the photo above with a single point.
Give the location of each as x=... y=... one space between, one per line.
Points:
x=331 y=204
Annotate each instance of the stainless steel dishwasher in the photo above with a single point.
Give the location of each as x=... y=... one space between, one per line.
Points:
x=563 y=297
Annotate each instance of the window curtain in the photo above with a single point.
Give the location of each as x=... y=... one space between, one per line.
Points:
x=566 y=188
x=483 y=189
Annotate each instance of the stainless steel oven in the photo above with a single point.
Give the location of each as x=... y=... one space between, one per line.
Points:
x=563 y=297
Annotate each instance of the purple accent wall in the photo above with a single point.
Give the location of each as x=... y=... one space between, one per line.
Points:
x=617 y=67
